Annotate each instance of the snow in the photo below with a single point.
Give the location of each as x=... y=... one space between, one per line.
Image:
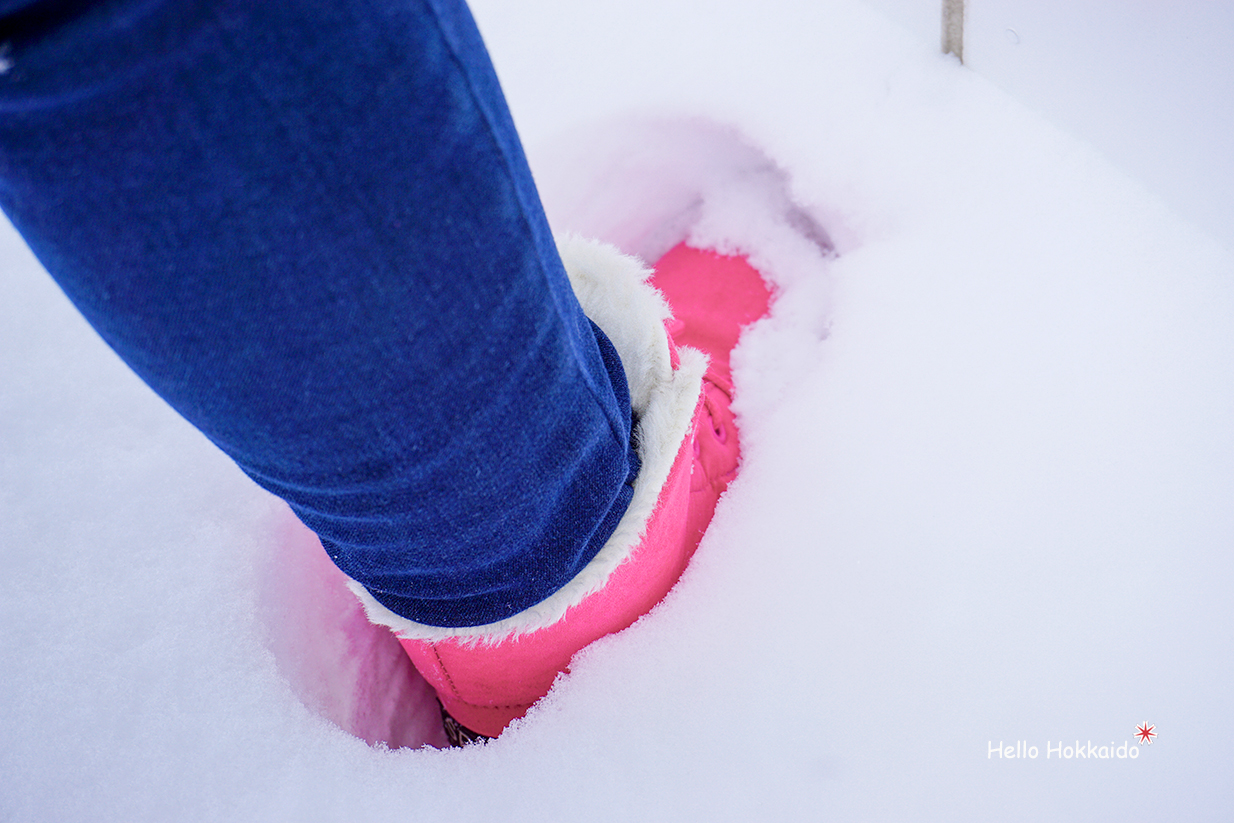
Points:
x=1147 y=83
x=989 y=459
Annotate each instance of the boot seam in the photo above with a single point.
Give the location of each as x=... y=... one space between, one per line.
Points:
x=441 y=664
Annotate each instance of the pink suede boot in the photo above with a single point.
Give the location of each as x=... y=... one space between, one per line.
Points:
x=487 y=676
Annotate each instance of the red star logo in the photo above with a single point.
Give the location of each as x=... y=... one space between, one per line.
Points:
x=1145 y=733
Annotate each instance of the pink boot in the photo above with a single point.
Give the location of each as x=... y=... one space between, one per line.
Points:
x=487 y=676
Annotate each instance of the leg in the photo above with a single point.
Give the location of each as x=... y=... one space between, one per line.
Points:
x=313 y=232
x=337 y=269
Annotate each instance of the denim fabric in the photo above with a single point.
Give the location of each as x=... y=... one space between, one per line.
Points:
x=310 y=227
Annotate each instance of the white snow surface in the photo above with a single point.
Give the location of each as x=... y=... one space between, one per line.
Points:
x=987 y=492
x=1149 y=83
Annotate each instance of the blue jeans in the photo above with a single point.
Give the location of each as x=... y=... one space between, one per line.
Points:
x=310 y=227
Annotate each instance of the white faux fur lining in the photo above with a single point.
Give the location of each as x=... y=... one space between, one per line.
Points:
x=614 y=293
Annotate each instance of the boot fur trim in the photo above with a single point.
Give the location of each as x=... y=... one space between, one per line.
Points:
x=614 y=293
